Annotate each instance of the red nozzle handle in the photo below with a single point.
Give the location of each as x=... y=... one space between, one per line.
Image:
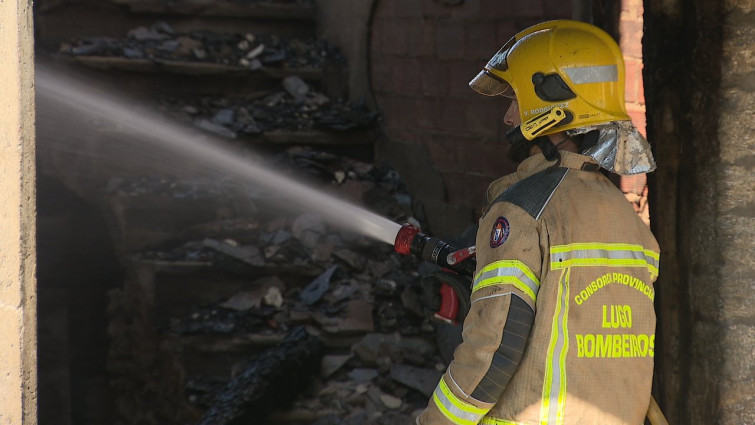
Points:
x=449 y=305
x=404 y=239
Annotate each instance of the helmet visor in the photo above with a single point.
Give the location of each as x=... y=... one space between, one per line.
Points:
x=499 y=60
x=489 y=84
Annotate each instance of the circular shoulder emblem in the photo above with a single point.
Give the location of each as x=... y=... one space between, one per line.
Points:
x=500 y=232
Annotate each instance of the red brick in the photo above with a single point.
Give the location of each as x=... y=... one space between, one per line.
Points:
x=407 y=137
x=486 y=158
x=638 y=118
x=524 y=23
x=464 y=115
x=505 y=165
x=399 y=113
x=631 y=38
x=633 y=80
x=468 y=9
x=558 y=9
x=434 y=76
x=453 y=115
x=377 y=28
x=434 y=8
x=380 y=74
x=481 y=41
x=466 y=188
x=529 y=9
x=449 y=40
x=633 y=184
x=497 y=9
x=387 y=8
x=481 y=114
x=641 y=92
x=633 y=9
x=468 y=146
x=405 y=75
x=413 y=115
x=393 y=38
x=420 y=35
x=409 y=9
x=428 y=112
x=504 y=31
x=461 y=72
x=442 y=151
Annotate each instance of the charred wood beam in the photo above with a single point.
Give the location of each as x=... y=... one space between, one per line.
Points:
x=272 y=380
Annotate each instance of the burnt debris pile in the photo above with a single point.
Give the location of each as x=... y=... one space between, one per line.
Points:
x=261 y=88
x=201 y=331
x=295 y=107
x=240 y=306
x=248 y=51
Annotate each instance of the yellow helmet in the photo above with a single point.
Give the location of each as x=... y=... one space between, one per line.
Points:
x=565 y=75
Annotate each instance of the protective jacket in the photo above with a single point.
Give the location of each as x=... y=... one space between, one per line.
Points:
x=561 y=328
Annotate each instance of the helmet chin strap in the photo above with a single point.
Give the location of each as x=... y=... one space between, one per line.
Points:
x=520 y=146
x=549 y=150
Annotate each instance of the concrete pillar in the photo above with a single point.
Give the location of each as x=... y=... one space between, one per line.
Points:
x=699 y=92
x=18 y=329
x=735 y=221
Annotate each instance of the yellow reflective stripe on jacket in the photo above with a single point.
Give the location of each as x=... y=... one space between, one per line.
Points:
x=455 y=409
x=604 y=254
x=495 y=421
x=554 y=386
x=508 y=272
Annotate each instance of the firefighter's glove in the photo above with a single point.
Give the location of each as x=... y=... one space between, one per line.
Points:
x=437 y=301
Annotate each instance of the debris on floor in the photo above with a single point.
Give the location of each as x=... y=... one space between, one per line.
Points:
x=160 y=42
x=199 y=317
x=257 y=113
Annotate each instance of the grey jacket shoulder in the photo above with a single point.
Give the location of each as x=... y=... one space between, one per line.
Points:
x=533 y=193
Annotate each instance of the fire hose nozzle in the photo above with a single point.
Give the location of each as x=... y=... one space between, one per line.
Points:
x=404 y=238
x=409 y=241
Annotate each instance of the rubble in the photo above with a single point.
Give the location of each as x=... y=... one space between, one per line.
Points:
x=266 y=275
x=315 y=290
x=250 y=116
x=243 y=51
x=267 y=382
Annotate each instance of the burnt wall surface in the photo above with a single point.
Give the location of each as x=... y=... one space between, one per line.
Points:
x=445 y=139
x=76 y=267
x=698 y=88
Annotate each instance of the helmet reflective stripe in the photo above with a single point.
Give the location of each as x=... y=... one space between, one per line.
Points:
x=593 y=74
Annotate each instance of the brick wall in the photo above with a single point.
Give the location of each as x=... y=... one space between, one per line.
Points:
x=423 y=54
x=630 y=29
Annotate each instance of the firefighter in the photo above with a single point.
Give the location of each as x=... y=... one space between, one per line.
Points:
x=561 y=327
